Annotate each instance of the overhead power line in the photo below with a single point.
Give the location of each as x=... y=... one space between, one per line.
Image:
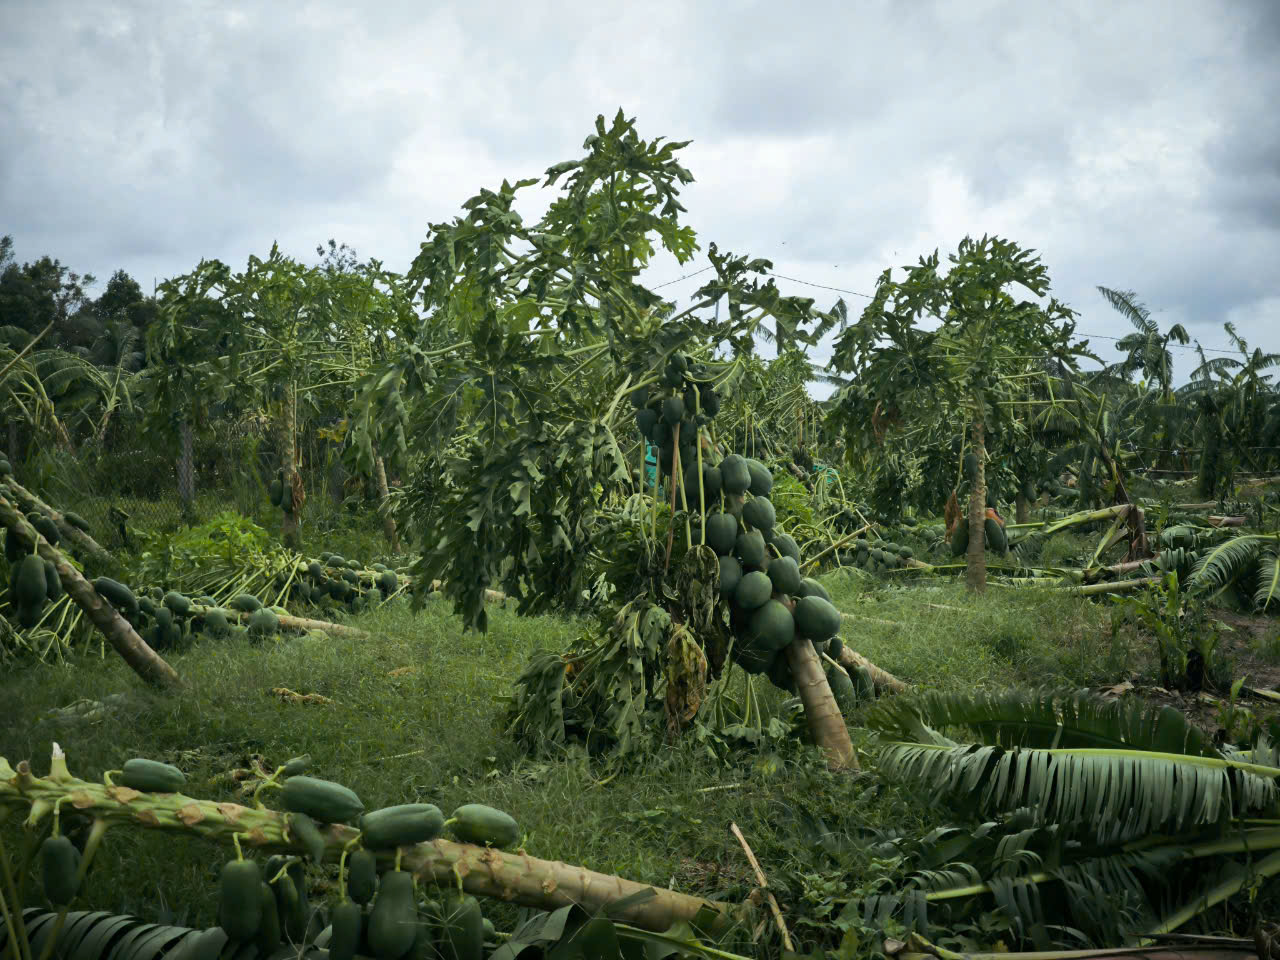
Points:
x=855 y=293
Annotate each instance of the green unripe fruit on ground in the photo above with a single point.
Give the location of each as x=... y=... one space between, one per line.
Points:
x=77 y=521
x=59 y=869
x=816 y=619
x=772 y=627
x=29 y=586
x=483 y=825
x=347 y=922
x=401 y=825
x=45 y=527
x=753 y=590
x=393 y=920
x=52 y=582
x=151 y=776
x=245 y=603
x=761 y=480
x=216 y=623
x=179 y=604
x=362 y=875
x=462 y=931
x=240 y=899
x=263 y=623
x=324 y=800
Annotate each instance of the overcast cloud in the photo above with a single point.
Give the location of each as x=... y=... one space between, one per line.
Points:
x=1134 y=145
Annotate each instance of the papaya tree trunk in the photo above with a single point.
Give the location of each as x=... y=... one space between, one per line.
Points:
x=148 y=664
x=88 y=548
x=294 y=494
x=384 y=504
x=510 y=876
x=337 y=479
x=1021 y=509
x=826 y=723
x=976 y=558
x=186 y=469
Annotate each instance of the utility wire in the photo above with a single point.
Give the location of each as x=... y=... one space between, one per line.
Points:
x=855 y=293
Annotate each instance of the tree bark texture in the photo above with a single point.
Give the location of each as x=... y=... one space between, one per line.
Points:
x=294 y=494
x=975 y=572
x=384 y=504
x=515 y=877
x=82 y=543
x=826 y=723
x=1021 y=509
x=148 y=664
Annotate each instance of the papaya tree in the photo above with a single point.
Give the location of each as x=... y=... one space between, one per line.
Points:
x=978 y=356
x=538 y=346
x=186 y=369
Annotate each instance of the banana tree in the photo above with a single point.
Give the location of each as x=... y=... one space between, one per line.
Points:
x=1086 y=821
x=978 y=362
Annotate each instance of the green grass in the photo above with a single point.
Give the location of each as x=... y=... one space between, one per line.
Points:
x=434 y=734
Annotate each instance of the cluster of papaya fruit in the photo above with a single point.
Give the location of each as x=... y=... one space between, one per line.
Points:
x=169 y=619
x=332 y=580
x=280 y=492
x=33 y=583
x=769 y=604
x=387 y=917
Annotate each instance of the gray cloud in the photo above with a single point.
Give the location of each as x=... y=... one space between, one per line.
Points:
x=1131 y=145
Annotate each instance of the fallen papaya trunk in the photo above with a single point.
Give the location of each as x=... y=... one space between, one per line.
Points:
x=148 y=664
x=883 y=679
x=514 y=877
x=83 y=543
x=290 y=622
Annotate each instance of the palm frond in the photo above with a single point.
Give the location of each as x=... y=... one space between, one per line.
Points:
x=1268 y=589
x=1222 y=565
x=1115 y=795
x=1045 y=719
x=1126 y=302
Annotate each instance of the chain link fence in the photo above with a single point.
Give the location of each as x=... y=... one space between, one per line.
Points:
x=127 y=482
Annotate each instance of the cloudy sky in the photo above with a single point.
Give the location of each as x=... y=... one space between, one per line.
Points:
x=1132 y=144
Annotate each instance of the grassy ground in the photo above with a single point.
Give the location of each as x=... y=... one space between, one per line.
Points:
x=416 y=717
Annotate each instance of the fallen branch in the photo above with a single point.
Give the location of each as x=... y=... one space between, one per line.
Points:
x=764 y=886
x=88 y=547
x=148 y=664
x=290 y=622
x=883 y=679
